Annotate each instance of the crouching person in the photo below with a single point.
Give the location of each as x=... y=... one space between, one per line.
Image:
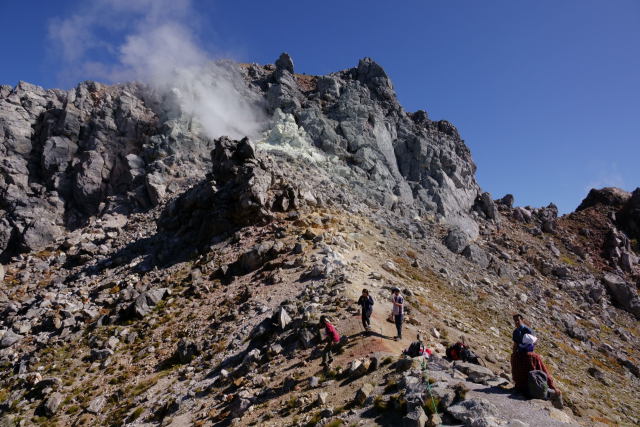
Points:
x=531 y=376
x=332 y=339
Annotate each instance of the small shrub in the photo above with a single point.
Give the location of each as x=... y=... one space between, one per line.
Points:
x=461 y=391
x=292 y=402
x=431 y=405
x=380 y=404
x=136 y=414
x=392 y=386
x=73 y=409
x=315 y=419
x=398 y=403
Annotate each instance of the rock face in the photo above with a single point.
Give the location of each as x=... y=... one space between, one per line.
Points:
x=186 y=275
x=406 y=161
x=70 y=155
x=241 y=191
x=608 y=196
x=630 y=215
x=623 y=294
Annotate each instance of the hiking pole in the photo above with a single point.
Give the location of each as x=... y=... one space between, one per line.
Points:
x=425 y=377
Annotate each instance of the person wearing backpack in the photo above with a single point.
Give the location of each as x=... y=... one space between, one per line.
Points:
x=530 y=375
x=417 y=348
x=398 y=311
x=366 y=308
x=331 y=340
x=460 y=351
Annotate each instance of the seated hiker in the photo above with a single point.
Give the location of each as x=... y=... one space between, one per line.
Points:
x=366 y=308
x=331 y=340
x=530 y=375
x=460 y=351
x=417 y=348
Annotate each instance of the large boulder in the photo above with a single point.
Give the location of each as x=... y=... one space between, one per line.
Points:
x=629 y=216
x=477 y=255
x=52 y=404
x=485 y=205
x=475 y=373
x=608 y=196
x=456 y=240
x=9 y=338
x=474 y=412
x=623 y=294
x=187 y=350
x=415 y=418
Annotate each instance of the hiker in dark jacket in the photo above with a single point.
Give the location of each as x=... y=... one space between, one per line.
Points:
x=398 y=311
x=331 y=340
x=366 y=308
x=519 y=332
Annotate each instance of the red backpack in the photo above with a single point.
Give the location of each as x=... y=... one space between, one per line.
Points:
x=455 y=352
x=332 y=332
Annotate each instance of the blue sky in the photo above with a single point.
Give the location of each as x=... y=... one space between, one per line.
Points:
x=546 y=93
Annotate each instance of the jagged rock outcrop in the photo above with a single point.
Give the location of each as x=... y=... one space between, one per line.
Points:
x=623 y=294
x=607 y=196
x=240 y=191
x=629 y=215
x=70 y=155
x=409 y=161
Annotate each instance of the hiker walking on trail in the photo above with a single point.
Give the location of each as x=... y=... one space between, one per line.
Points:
x=331 y=340
x=366 y=308
x=398 y=311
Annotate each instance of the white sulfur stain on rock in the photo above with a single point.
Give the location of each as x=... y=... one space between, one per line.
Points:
x=285 y=136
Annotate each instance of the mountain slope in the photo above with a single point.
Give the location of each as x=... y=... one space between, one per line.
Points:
x=156 y=275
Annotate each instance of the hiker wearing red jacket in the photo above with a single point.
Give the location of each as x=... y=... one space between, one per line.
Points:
x=331 y=340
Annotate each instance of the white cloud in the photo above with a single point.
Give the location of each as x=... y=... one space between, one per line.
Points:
x=154 y=41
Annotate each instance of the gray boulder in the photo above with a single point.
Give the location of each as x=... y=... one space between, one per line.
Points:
x=623 y=294
x=456 y=240
x=96 y=405
x=474 y=412
x=187 y=350
x=415 y=418
x=506 y=201
x=476 y=254
x=475 y=373
x=486 y=206
x=607 y=196
x=52 y=404
x=101 y=354
x=9 y=338
x=284 y=62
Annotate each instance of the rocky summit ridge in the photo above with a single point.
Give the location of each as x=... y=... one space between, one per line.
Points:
x=154 y=275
